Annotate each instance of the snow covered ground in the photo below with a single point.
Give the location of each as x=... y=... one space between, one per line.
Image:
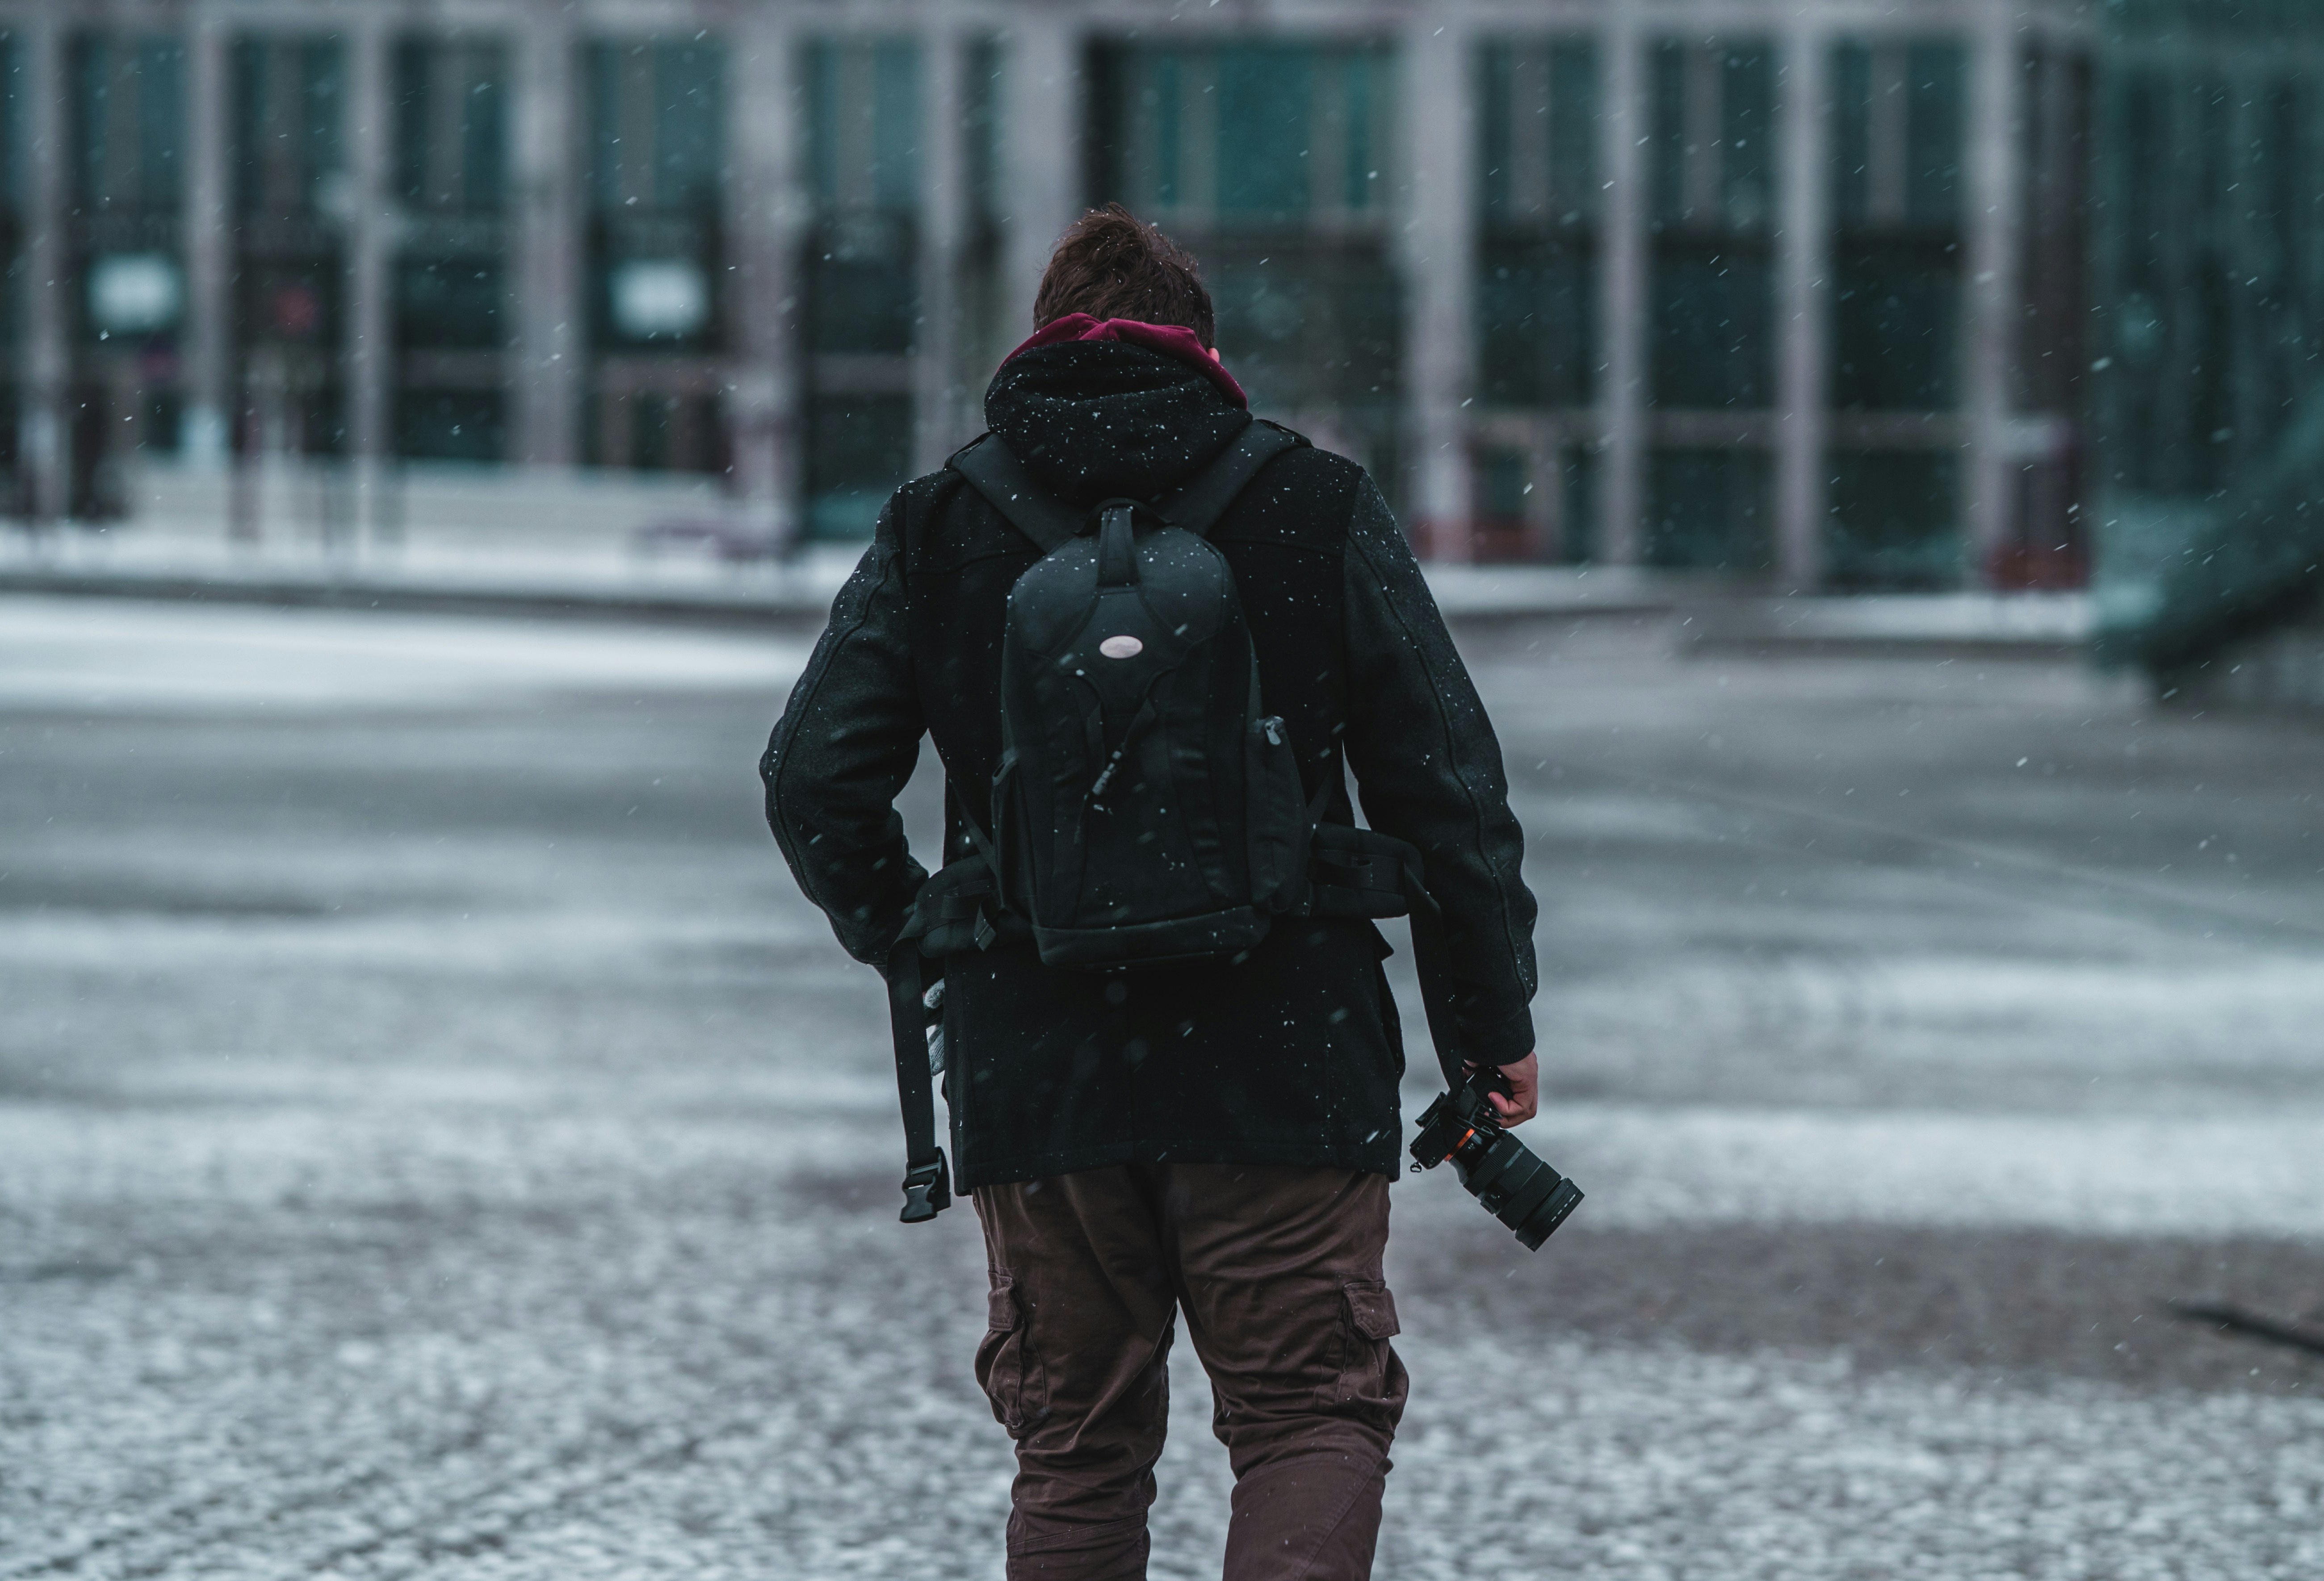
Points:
x=435 y=1139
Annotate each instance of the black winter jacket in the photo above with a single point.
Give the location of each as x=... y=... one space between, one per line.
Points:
x=1292 y=1056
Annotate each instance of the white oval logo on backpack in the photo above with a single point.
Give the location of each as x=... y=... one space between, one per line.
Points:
x=1121 y=647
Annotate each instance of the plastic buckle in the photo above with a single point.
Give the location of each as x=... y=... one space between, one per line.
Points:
x=928 y=1190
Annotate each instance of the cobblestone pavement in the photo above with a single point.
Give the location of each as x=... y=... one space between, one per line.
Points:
x=435 y=1140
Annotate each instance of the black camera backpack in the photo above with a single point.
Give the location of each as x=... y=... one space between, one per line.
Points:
x=1147 y=808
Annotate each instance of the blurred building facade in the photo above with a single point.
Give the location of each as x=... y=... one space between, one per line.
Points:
x=2207 y=398
x=1790 y=288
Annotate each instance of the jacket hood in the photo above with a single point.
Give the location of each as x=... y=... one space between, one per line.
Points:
x=1108 y=416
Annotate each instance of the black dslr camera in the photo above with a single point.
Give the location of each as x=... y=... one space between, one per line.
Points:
x=1517 y=1187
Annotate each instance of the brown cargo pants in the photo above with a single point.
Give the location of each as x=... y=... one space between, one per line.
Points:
x=1278 y=1270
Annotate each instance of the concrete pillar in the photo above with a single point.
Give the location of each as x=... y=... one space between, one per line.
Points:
x=208 y=331
x=1996 y=104
x=1804 y=311
x=1040 y=188
x=1439 y=250
x=42 y=441
x=370 y=358
x=550 y=328
x=769 y=213
x=1622 y=292
x=944 y=196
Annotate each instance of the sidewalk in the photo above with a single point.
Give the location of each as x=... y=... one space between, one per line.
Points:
x=1703 y=614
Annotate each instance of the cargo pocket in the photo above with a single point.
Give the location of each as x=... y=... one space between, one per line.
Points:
x=1004 y=1370
x=1369 y=1372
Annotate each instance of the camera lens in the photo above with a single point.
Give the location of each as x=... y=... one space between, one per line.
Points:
x=1517 y=1188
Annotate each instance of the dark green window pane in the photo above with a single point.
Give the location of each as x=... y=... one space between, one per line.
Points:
x=452 y=126
x=1360 y=172
x=128 y=120
x=1580 y=469
x=1307 y=325
x=483 y=142
x=656 y=260
x=1667 y=167
x=1746 y=129
x=896 y=126
x=287 y=111
x=1165 y=94
x=1712 y=342
x=656 y=111
x=1536 y=323
x=1851 y=133
x=603 y=73
x=688 y=111
x=450 y=425
x=449 y=303
x=981 y=128
x=862 y=124
x=13 y=87
x=1503 y=482
x=1896 y=302
x=1895 y=522
x=1938 y=74
x=1537 y=134
x=1713 y=157
x=1707 y=510
x=859 y=449
x=862 y=292
x=1497 y=137
x=1574 y=182
x=1538 y=255
x=1896 y=255
x=1264 y=95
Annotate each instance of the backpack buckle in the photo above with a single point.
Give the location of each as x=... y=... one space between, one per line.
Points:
x=928 y=1190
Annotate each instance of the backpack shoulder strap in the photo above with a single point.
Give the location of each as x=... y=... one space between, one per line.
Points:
x=994 y=472
x=1197 y=506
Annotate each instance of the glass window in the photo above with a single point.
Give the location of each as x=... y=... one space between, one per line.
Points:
x=451 y=124
x=864 y=127
x=450 y=425
x=1266 y=99
x=449 y=303
x=1897 y=246
x=655 y=114
x=1896 y=308
x=858 y=449
x=288 y=106
x=656 y=151
x=1712 y=169
x=1896 y=520
x=1254 y=135
x=128 y=121
x=1707 y=510
x=1538 y=253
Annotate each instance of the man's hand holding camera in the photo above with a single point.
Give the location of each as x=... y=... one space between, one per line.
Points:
x=1522 y=1101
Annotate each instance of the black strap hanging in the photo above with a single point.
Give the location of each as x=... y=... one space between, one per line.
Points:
x=1429 y=958
x=927 y=1183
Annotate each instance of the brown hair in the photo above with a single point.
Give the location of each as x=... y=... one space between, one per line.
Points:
x=1112 y=264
